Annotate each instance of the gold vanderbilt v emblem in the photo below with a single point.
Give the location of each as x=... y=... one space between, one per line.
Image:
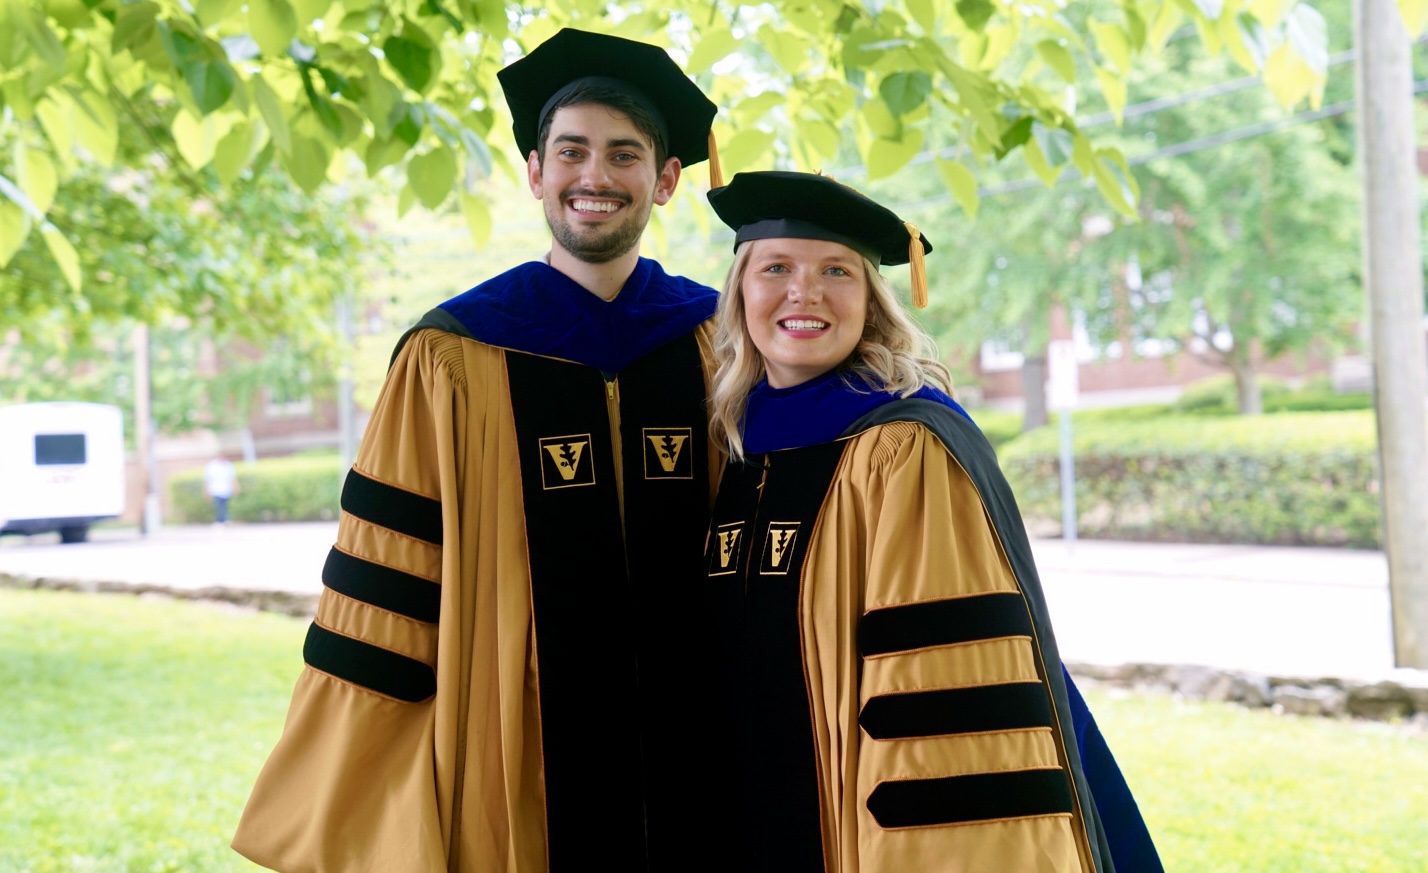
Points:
x=565 y=462
x=727 y=540
x=778 y=547
x=667 y=454
x=726 y=548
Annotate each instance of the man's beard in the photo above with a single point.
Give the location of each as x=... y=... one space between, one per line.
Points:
x=602 y=247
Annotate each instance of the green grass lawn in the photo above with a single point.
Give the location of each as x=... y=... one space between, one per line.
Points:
x=131 y=731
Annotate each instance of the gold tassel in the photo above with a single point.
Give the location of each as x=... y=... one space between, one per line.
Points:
x=919 y=266
x=716 y=174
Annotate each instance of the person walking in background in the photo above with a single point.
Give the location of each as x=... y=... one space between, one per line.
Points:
x=899 y=700
x=500 y=676
x=220 y=482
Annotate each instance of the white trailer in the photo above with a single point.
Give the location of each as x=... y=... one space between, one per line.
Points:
x=61 y=467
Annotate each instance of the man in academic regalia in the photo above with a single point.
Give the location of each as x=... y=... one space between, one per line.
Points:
x=493 y=681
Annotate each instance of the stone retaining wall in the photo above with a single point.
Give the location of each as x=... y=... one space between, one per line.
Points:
x=1404 y=696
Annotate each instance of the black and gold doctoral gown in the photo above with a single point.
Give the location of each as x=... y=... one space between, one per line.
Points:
x=493 y=682
x=901 y=705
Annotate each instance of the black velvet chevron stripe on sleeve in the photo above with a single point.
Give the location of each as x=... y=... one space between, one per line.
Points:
x=946 y=711
x=914 y=803
x=393 y=508
x=369 y=666
x=382 y=587
x=943 y=623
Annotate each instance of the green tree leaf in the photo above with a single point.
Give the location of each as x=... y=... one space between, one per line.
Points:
x=1166 y=22
x=306 y=162
x=57 y=120
x=271 y=108
x=202 y=64
x=65 y=255
x=307 y=10
x=1058 y=58
x=1289 y=77
x=1415 y=15
x=1036 y=159
x=1113 y=88
x=1015 y=135
x=432 y=175
x=478 y=219
x=963 y=185
x=134 y=25
x=887 y=156
x=273 y=24
x=1115 y=182
x=37 y=176
x=753 y=109
x=1271 y=12
x=383 y=153
x=713 y=47
x=905 y=92
x=880 y=119
x=14 y=227
x=96 y=126
x=234 y=151
x=1306 y=31
x=975 y=13
x=789 y=50
x=197 y=138
x=414 y=56
x=211 y=12
x=1113 y=44
x=820 y=136
x=924 y=12
x=747 y=150
x=42 y=39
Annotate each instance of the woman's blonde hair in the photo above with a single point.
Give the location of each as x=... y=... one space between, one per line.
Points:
x=893 y=355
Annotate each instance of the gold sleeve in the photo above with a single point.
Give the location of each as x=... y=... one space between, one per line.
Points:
x=921 y=648
x=350 y=786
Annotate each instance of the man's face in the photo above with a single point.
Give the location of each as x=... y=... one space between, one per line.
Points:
x=599 y=181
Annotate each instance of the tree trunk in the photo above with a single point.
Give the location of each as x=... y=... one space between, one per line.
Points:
x=1033 y=390
x=1247 y=391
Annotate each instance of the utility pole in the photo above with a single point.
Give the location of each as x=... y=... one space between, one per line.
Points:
x=1393 y=273
x=144 y=432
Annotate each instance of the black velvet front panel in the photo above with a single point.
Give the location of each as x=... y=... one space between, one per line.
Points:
x=664 y=434
x=629 y=698
x=582 y=601
x=759 y=538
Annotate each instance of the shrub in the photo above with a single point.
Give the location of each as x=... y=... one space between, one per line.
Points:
x=276 y=489
x=999 y=427
x=1216 y=395
x=1287 y=479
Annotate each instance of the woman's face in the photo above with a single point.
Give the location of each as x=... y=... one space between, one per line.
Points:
x=805 y=304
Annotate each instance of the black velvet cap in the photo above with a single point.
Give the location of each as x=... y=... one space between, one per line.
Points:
x=644 y=72
x=775 y=204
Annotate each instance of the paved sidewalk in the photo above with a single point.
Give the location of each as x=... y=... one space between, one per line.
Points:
x=1285 y=611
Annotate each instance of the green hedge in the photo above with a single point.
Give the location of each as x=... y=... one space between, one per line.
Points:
x=1284 y=479
x=276 y=489
x=998 y=426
